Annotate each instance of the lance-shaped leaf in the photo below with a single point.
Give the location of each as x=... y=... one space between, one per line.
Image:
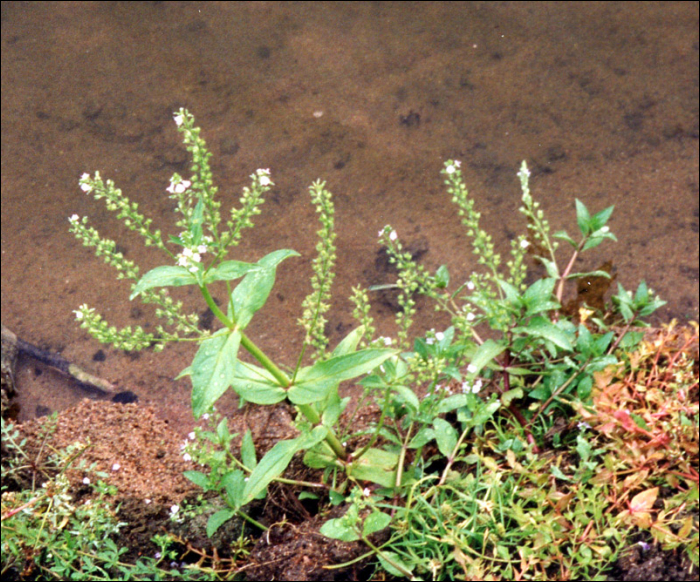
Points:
x=542 y=327
x=229 y=270
x=377 y=466
x=257 y=385
x=276 y=460
x=169 y=276
x=314 y=383
x=252 y=292
x=486 y=352
x=212 y=369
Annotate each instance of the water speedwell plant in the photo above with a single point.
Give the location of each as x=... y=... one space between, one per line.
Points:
x=196 y=257
x=535 y=361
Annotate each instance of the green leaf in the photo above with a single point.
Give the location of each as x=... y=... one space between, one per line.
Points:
x=320 y=457
x=375 y=521
x=486 y=352
x=422 y=438
x=452 y=403
x=377 y=466
x=445 y=435
x=510 y=395
x=252 y=292
x=234 y=484
x=408 y=396
x=442 y=277
x=349 y=342
x=541 y=327
x=314 y=383
x=512 y=295
x=257 y=385
x=248 y=451
x=213 y=369
x=229 y=270
x=563 y=235
x=538 y=297
x=599 y=220
x=484 y=413
x=339 y=529
x=276 y=460
x=216 y=520
x=583 y=218
x=169 y=276
x=198 y=478
x=390 y=561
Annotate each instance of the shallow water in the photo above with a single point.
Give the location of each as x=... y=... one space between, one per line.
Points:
x=601 y=99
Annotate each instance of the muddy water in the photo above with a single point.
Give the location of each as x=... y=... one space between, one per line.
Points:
x=601 y=99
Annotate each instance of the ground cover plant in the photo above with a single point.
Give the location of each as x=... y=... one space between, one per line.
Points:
x=524 y=441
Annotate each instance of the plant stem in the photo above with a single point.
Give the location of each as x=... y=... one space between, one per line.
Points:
x=306 y=409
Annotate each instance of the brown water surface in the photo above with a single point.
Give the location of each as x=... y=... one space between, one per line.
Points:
x=600 y=98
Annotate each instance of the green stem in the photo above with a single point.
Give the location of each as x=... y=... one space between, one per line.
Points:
x=283 y=380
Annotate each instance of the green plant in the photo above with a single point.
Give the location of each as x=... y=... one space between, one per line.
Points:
x=536 y=365
x=49 y=532
x=312 y=389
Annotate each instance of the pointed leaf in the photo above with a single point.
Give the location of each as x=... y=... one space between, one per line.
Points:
x=276 y=460
x=252 y=292
x=248 y=451
x=377 y=466
x=374 y=522
x=583 y=218
x=168 y=276
x=314 y=383
x=599 y=219
x=229 y=270
x=212 y=369
x=216 y=520
x=445 y=435
x=349 y=342
x=486 y=352
x=257 y=385
x=541 y=327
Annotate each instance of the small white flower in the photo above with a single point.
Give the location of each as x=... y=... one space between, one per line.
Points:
x=466 y=388
x=393 y=235
x=387 y=341
x=450 y=169
x=470 y=316
x=366 y=492
x=201 y=249
x=265 y=181
x=178 y=120
x=583 y=425
x=191 y=435
x=206 y=416
x=182 y=261
x=85 y=176
x=187 y=457
x=193 y=269
x=430 y=341
x=78 y=315
x=439 y=336
x=524 y=244
x=470 y=286
x=263 y=172
x=146 y=501
x=86 y=480
x=187 y=252
x=457 y=163
x=174 y=509
x=86 y=188
x=472 y=369
x=196 y=258
x=116 y=467
x=74 y=218
x=476 y=387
